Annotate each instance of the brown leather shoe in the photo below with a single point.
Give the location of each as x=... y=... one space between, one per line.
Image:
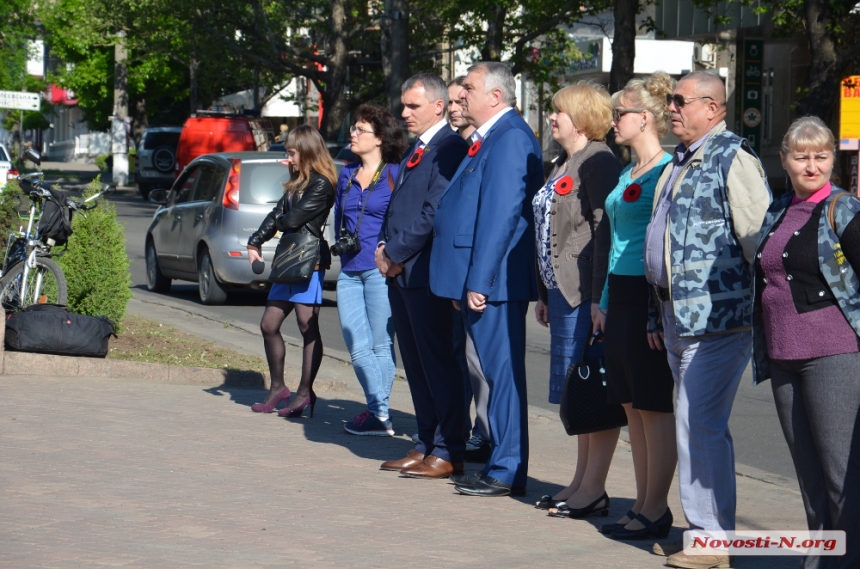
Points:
x=432 y=467
x=413 y=457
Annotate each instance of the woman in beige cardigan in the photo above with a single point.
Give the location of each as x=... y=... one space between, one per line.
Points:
x=573 y=243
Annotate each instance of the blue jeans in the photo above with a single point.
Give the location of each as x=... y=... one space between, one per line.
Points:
x=368 y=330
x=569 y=330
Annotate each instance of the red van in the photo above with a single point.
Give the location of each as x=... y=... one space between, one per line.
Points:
x=207 y=132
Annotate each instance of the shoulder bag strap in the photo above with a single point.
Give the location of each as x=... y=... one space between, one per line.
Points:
x=831 y=211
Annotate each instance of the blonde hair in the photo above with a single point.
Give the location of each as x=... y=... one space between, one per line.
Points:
x=588 y=106
x=808 y=133
x=313 y=155
x=649 y=93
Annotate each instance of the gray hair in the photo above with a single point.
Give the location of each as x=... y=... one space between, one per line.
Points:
x=708 y=85
x=809 y=134
x=498 y=76
x=457 y=81
x=433 y=86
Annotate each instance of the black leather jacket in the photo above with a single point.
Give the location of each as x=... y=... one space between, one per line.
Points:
x=307 y=214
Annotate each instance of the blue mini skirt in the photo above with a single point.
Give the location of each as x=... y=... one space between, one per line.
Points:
x=301 y=293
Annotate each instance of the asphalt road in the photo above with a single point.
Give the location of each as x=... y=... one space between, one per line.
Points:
x=758 y=438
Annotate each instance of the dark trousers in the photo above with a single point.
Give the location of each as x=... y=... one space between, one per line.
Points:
x=424 y=326
x=499 y=337
x=817 y=402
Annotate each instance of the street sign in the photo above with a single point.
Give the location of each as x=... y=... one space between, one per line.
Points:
x=749 y=102
x=849 y=117
x=19 y=100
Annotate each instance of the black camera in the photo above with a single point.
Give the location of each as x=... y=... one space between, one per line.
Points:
x=348 y=243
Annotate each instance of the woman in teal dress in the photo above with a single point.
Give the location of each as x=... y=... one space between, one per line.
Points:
x=637 y=370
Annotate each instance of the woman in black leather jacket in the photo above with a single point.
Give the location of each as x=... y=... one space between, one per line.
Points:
x=308 y=197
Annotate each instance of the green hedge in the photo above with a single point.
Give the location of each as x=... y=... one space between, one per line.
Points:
x=96 y=264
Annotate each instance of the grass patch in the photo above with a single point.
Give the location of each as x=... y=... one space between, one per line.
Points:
x=144 y=340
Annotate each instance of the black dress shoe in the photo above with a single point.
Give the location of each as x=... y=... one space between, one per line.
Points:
x=652 y=530
x=485 y=486
x=546 y=502
x=609 y=528
x=565 y=511
x=464 y=478
x=480 y=454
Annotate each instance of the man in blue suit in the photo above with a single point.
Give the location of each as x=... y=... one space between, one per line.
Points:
x=483 y=259
x=423 y=321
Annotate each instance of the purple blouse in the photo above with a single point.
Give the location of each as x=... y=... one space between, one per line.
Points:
x=374 y=213
x=789 y=335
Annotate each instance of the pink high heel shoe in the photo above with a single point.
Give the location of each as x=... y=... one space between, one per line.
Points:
x=284 y=395
x=310 y=401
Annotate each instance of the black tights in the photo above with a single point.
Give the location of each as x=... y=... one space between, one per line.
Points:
x=307 y=317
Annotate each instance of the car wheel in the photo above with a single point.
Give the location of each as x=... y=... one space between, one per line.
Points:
x=155 y=280
x=164 y=159
x=211 y=291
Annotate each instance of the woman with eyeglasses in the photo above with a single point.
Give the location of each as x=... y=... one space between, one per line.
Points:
x=638 y=376
x=572 y=235
x=363 y=191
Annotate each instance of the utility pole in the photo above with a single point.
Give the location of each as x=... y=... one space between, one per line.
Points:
x=395 y=51
x=119 y=132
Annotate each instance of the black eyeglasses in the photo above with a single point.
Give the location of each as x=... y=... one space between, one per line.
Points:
x=619 y=112
x=680 y=101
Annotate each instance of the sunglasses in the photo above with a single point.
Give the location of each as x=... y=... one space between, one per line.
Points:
x=621 y=111
x=679 y=100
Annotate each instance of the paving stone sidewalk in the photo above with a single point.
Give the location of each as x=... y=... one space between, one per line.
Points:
x=100 y=472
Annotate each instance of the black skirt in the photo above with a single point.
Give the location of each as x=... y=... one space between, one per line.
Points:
x=634 y=372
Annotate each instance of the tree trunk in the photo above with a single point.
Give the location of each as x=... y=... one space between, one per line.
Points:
x=335 y=107
x=193 y=66
x=395 y=51
x=623 y=44
x=623 y=57
x=824 y=71
x=492 y=50
x=139 y=119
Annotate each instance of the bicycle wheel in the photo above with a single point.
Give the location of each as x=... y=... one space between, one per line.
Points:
x=45 y=284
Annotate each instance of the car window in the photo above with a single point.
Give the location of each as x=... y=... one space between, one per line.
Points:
x=208 y=184
x=183 y=190
x=263 y=183
x=156 y=139
x=4 y=157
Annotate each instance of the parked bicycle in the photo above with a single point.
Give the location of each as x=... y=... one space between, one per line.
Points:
x=29 y=274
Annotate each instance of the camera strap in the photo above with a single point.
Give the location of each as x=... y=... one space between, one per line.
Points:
x=370 y=188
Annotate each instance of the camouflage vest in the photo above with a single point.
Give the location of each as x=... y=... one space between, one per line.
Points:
x=841 y=277
x=710 y=278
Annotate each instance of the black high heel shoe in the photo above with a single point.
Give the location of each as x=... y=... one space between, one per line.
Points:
x=565 y=511
x=546 y=502
x=609 y=528
x=652 y=530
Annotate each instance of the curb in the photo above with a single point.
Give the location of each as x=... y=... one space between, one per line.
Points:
x=29 y=363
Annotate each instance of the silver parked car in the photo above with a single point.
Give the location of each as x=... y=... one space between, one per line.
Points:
x=7 y=169
x=202 y=227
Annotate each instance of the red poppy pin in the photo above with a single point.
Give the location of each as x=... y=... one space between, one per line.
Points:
x=632 y=192
x=415 y=159
x=476 y=146
x=563 y=186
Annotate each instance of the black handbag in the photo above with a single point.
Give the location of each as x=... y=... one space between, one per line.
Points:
x=295 y=258
x=52 y=329
x=583 y=399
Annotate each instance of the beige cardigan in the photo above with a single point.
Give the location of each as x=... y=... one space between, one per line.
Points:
x=579 y=231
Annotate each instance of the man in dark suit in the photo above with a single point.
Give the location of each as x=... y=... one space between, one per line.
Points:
x=423 y=321
x=483 y=259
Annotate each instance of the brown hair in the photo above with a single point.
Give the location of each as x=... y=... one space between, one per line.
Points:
x=313 y=155
x=649 y=93
x=387 y=129
x=588 y=106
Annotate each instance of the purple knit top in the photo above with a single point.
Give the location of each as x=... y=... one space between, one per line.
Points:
x=789 y=335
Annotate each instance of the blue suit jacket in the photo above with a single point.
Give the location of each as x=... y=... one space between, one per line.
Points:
x=484 y=227
x=408 y=225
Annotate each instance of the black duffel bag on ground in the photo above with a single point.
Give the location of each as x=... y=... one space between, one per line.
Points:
x=52 y=329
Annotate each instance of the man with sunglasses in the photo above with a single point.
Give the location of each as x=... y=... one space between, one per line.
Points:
x=708 y=210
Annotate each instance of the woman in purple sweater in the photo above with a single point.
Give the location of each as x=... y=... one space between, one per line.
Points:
x=805 y=333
